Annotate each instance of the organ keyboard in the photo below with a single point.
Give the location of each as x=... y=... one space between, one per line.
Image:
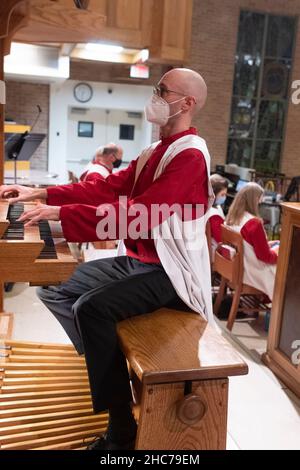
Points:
x=37 y=254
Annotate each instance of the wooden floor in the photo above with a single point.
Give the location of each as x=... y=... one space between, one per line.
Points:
x=45 y=400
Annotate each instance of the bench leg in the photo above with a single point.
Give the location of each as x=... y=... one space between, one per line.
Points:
x=169 y=420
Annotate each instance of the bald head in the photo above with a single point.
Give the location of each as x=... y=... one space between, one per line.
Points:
x=189 y=83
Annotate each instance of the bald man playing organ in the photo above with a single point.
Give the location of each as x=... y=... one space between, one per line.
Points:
x=155 y=270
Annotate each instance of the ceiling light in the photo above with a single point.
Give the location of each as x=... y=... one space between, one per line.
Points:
x=103 y=48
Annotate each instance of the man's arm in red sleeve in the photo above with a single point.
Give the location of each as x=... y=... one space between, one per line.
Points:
x=183 y=182
x=253 y=232
x=94 y=192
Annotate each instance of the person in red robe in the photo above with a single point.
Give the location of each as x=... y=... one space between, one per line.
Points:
x=103 y=292
x=106 y=158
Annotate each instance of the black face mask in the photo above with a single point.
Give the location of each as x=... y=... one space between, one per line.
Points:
x=117 y=163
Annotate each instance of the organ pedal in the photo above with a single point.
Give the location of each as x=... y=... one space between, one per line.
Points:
x=45 y=401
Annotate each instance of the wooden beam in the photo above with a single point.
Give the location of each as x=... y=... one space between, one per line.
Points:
x=12 y=17
x=62 y=22
x=11 y=12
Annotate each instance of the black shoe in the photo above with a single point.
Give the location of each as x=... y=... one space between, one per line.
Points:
x=104 y=443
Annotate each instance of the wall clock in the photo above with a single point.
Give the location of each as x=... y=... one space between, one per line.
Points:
x=83 y=92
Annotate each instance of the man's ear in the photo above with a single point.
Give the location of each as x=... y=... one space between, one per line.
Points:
x=187 y=103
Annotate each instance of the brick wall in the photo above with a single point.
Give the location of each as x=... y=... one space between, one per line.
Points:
x=213 y=46
x=21 y=101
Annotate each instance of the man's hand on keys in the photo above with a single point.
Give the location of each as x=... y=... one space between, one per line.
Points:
x=16 y=193
x=40 y=212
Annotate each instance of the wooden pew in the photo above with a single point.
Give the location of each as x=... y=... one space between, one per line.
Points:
x=180 y=369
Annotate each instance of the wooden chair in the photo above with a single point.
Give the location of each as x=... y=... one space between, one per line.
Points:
x=179 y=368
x=245 y=298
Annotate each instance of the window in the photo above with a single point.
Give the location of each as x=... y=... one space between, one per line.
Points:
x=85 y=129
x=263 y=63
x=126 y=132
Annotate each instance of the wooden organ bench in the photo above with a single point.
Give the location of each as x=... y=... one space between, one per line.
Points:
x=179 y=368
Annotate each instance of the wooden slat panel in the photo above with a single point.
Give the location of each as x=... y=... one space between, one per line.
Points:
x=71 y=445
x=45 y=399
x=77 y=402
x=27 y=417
x=43 y=380
x=44 y=352
x=57 y=434
x=48 y=359
x=50 y=394
x=11 y=431
x=43 y=387
x=44 y=373
x=32 y=345
x=38 y=365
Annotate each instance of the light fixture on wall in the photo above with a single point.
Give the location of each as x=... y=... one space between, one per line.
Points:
x=103 y=52
x=116 y=53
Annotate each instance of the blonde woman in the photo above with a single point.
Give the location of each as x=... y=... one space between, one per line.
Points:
x=259 y=258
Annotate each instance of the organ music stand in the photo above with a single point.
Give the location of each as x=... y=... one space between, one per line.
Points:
x=21 y=147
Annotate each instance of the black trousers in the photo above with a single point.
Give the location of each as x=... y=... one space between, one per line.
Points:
x=98 y=295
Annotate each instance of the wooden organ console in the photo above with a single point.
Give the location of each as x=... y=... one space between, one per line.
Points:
x=283 y=348
x=37 y=254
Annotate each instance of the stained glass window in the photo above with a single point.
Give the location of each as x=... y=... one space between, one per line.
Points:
x=263 y=63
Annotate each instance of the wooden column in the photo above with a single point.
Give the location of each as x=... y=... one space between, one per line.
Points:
x=6 y=319
x=1 y=117
x=1 y=142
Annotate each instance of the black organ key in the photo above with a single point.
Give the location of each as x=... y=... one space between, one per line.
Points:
x=15 y=231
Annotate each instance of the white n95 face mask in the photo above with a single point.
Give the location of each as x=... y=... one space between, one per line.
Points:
x=157 y=110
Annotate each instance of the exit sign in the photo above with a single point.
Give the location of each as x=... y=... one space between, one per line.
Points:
x=139 y=71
